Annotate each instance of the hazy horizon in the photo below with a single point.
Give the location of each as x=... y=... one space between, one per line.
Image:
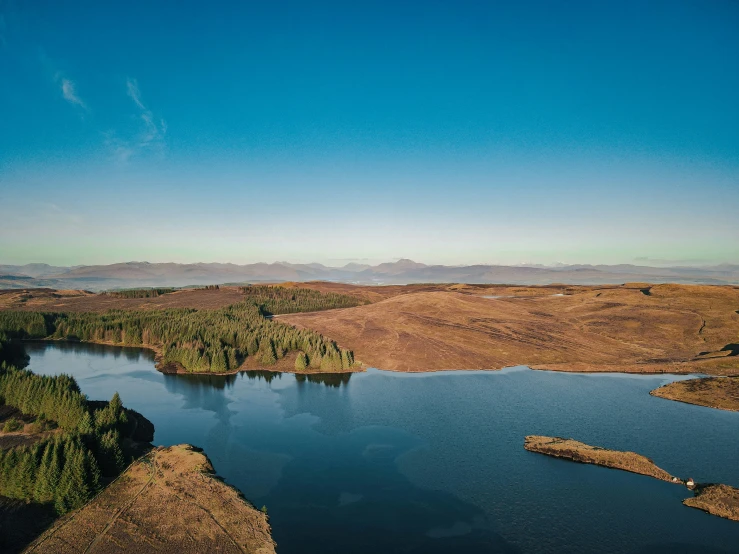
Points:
x=364 y=261
x=447 y=133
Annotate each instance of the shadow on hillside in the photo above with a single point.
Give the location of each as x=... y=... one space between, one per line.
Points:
x=21 y=523
x=732 y=349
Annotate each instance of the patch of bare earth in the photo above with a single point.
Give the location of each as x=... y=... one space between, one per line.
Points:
x=718 y=500
x=586 y=454
x=636 y=328
x=169 y=501
x=714 y=392
x=30 y=431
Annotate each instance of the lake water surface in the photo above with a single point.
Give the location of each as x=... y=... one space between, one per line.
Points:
x=382 y=462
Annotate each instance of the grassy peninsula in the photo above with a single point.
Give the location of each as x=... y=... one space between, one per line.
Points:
x=586 y=454
x=721 y=393
x=717 y=500
x=168 y=501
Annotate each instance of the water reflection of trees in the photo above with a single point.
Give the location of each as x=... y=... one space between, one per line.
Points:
x=205 y=392
x=177 y=382
x=327 y=379
x=180 y=381
x=262 y=375
x=130 y=353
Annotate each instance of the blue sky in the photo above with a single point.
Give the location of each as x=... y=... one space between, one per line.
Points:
x=446 y=132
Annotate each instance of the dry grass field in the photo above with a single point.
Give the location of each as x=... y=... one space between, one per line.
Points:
x=168 y=501
x=630 y=328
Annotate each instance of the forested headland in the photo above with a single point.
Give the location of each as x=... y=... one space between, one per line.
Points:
x=283 y=300
x=214 y=341
x=82 y=447
x=138 y=293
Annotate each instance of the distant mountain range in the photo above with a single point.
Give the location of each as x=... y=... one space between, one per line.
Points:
x=145 y=274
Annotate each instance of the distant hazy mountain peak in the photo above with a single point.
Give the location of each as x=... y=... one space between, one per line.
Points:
x=402 y=271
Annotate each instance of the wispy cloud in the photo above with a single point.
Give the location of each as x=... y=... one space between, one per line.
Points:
x=154 y=130
x=132 y=86
x=148 y=136
x=60 y=79
x=69 y=92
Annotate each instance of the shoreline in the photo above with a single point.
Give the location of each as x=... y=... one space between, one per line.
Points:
x=623 y=369
x=167 y=368
x=718 y=393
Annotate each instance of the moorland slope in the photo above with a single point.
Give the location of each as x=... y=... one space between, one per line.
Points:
x=629 y=328
x=168 y=501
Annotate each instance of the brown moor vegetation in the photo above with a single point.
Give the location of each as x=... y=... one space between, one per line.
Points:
x=630 y=328
x=585 y=454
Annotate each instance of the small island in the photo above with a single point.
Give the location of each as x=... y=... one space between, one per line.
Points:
x=716 y=499
x=168 y=501
x=721 y=393
x=586 y=454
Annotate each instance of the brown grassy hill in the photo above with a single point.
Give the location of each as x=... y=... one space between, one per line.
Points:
x=633 y=328
x=169 y=501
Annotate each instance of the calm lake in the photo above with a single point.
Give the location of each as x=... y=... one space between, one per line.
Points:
x=388 y=462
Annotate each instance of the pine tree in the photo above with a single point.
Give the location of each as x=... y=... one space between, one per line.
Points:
x=218 y=363
x=301 y=362
x=269 y=357
x=92 y=472
x=48 y=475
x=110 y=455
x=115 y=404
x=27 y=472
x=87 y=426
x=74 y=488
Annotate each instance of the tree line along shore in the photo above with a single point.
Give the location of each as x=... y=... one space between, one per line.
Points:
x=203 y=341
